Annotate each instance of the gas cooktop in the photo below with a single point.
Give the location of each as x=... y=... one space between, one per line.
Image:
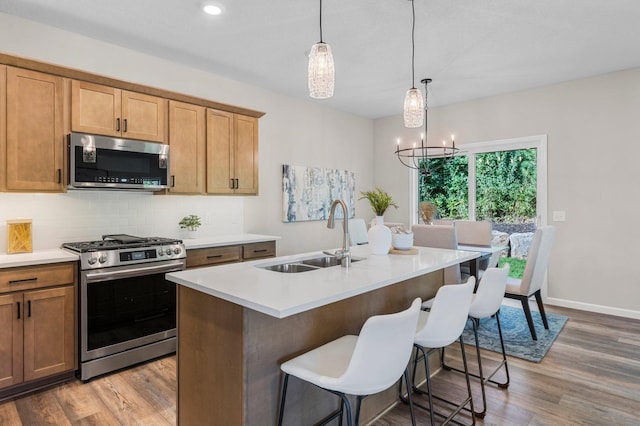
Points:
x=119 y=241
x=122 y=250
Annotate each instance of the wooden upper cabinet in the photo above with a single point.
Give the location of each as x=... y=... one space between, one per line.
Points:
x=232 y=153
x=108 y=111
x=143 y=117
x=3 y=128
x=187 y=160
x=219 y=152
x=246 y=155
x=34 y=131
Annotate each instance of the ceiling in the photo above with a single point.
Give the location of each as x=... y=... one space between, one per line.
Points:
x=470 y=48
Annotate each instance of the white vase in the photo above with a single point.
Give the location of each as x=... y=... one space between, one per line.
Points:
x=379 y=237
x=192 y=233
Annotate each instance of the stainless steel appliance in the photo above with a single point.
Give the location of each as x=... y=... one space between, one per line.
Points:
x=127 y=307
x=112 y=163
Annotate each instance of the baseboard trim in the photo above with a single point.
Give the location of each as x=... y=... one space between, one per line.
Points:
x=590 y=307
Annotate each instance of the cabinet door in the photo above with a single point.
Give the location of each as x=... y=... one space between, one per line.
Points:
x=34 y=131
x=143 y=117
x=95 y=109
x=10 y=339
x=3 y=127
x=49 y=325
x=246 y=154
x=220 y=139
x=187 y=161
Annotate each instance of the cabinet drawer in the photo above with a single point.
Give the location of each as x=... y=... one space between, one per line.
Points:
x=258 y=250
x=28 y=277
x=212 y=256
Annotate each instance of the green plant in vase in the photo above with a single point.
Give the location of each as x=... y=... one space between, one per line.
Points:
x=379 y=235
x=379 y=199
x=190 y=223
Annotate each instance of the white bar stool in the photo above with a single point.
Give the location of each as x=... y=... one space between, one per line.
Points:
x=486 y=303
x=438 y=328
x=359 y=365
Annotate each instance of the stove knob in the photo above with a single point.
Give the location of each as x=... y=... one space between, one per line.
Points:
x=168 y=251
x=92 y=260
x=177 y=250
x=102 y=258
x=160 y=252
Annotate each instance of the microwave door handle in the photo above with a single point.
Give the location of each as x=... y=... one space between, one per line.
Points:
x=133 y=272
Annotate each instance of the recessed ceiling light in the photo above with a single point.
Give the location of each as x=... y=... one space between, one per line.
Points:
x=212 y=9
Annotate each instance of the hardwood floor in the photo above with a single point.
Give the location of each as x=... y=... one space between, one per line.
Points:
x=590 y=376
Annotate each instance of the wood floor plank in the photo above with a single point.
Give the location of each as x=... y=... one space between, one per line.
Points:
x=9 y=414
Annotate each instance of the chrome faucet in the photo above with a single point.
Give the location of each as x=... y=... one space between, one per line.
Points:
x=344 y=255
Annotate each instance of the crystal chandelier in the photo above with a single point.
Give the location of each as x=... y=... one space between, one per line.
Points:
x=413 y=105
x=416 y=157
x=321 y=72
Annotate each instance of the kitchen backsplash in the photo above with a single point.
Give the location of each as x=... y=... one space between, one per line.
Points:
x=86 y=215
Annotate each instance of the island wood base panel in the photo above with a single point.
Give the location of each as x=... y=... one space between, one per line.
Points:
x=229 y=356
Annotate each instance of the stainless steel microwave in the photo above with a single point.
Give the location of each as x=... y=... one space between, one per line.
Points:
x=111 y=163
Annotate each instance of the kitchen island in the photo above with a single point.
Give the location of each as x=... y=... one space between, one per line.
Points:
x=237 y=323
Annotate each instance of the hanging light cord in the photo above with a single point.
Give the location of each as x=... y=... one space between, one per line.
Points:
x=413 y=44
x=321 y=21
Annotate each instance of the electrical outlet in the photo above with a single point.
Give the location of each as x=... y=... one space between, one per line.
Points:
x=559 y=216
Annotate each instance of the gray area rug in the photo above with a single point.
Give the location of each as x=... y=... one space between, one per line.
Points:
x=517 y=337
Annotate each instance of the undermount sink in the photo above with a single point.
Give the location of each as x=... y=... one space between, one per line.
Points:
x=306 y=265
x=290 y=268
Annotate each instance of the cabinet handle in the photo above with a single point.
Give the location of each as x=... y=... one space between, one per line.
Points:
x=173 y=181
x=215 y=256
x=117 y=124
x=18 y=310
x=59 y=175
x=125 y=125
x=29 y=308
x=232 y=183
x=260 y=251
x=237 y=183
x=23 y=281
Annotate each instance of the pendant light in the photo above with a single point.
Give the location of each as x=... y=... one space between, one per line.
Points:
x=417 y=156
x=413 y=103
x=321 y=77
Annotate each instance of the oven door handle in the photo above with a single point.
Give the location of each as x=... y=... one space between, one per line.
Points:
x=134 y=272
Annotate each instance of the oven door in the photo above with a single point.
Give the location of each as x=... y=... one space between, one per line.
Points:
x=126 y=307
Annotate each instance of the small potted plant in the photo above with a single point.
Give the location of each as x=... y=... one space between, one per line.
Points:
x=191 y=223
x=380 y=201
x=379 y=235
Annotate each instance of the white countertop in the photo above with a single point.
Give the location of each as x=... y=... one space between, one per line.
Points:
x=39 y=257
x=283 y=294
x=225 y=240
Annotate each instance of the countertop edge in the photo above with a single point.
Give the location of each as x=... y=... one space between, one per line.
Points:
x=226 y=240
x=40 y=257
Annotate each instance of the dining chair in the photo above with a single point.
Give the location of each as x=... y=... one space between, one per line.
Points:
x=359 y=365
x=533 y=275
x=439 y=236
x=486 y=304
x=474 y=233
x=445 y=222
x=438 y=328
x=358 y=232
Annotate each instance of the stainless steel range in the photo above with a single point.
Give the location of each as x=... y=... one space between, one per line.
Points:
x=127 y=307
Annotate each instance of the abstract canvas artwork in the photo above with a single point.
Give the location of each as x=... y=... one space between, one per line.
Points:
x=307 y=192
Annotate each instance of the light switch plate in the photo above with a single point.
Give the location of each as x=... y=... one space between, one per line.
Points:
x=559 y=216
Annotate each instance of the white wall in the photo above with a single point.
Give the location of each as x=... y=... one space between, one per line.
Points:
x=292 y=131
x=593 y=128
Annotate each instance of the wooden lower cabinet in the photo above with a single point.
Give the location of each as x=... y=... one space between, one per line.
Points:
x=230 y=254
x=37 y=326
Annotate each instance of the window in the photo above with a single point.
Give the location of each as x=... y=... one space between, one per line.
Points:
x=469 y=186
